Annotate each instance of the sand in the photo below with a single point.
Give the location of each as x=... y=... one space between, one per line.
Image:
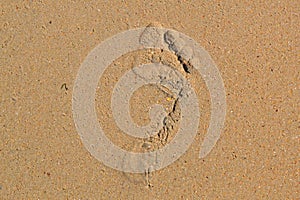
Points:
x=255 y=46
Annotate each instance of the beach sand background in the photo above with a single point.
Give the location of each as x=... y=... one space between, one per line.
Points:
x=255 y=46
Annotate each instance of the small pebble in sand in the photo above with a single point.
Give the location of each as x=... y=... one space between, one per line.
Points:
x=146 y=145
